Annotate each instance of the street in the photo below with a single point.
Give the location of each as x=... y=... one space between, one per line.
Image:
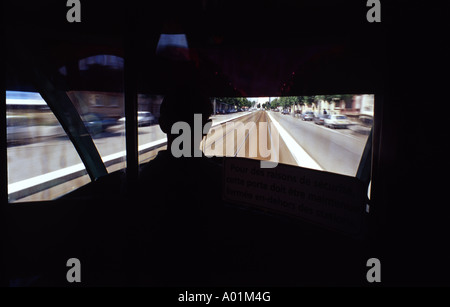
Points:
x=335 y=150
x=284 y=139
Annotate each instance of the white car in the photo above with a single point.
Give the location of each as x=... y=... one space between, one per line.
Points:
x=144 y=118
x=308 y=115
x=336 y=121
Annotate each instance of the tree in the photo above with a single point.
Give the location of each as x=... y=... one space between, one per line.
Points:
x=238 y=102
x=307 y=100
x=275 y=103
x=288 y=101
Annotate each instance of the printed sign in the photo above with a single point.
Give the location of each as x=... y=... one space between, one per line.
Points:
x=331 y=200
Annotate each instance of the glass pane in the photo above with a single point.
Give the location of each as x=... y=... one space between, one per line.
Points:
x=97 y=94
x=42 y=162
x=150 y=137
x=323 y=132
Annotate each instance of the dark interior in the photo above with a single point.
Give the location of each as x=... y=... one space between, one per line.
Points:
x=260 y=48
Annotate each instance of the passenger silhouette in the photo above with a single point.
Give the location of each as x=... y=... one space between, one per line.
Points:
x=178 y=201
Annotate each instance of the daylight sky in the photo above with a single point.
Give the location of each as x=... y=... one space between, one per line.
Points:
x=260 y=99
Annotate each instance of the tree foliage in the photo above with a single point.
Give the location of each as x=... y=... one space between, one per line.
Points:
x=289 y=101
x=239 y=102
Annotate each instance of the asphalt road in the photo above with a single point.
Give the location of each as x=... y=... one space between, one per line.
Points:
x=335 y=150
x=251 y=136
x=31 y=161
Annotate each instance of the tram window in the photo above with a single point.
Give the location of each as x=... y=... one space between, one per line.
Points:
x=42 y=162
x=101 y=113
x=323 y=132
x=102 y=110
x=151 y=139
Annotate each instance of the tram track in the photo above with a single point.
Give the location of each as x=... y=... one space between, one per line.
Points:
x=247 y=143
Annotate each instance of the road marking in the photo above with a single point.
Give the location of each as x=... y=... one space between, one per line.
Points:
x=302 y=158
x=70 y=170
x=54 y=175
x=33 y=181
x=152 y=144
x=276 y=153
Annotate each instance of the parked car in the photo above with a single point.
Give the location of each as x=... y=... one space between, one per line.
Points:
x=320 y=119
x=337 y=121
x=308 y=115
x=285 y=112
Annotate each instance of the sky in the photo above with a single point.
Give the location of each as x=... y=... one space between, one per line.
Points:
x=260 y=99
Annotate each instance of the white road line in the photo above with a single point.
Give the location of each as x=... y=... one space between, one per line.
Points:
x=151 y=144
x=276 y=153
x=302 y=158
x=33 y=181
x=36 y=180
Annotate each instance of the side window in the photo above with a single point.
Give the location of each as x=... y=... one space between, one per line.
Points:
x=42 y=162
x=99 y=100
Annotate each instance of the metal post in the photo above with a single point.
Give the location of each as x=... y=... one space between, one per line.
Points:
x=130 y=85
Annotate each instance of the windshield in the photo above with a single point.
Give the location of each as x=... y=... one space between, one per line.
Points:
x=256 y=129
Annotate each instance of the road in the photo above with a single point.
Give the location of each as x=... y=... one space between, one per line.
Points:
x=335 y=150
x=34 y=161
x=301 y=143
x=239 y=134
x=249 y=136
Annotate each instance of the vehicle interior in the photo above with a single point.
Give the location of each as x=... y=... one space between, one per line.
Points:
x=93 y=208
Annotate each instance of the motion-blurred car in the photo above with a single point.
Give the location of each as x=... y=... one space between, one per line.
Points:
x=337 y=121
x=320 y=119
x=308 y=115
x=96 y=123
x=144 y=118
x=285 y=112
